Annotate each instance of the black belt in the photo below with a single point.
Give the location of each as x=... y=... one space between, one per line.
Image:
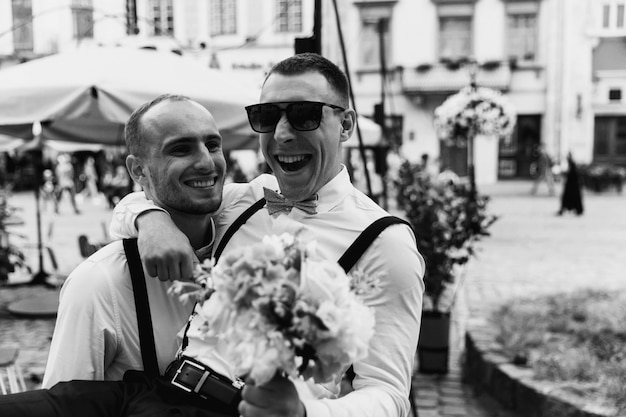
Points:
x=194 y=377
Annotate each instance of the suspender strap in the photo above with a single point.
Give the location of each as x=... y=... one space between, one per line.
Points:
x=359 y=246
x=240 y=221
x=365 y=239
x=236 y=225
x=142 y=306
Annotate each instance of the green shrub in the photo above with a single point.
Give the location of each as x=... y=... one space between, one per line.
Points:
x=447 y=220
x=10 y=255
x=576 y=339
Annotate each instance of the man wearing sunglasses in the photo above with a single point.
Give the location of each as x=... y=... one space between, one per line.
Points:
x=302 y=119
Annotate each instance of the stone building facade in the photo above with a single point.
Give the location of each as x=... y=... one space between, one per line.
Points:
x=561 y=63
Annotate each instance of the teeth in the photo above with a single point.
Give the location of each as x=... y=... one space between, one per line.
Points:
x=290 y=159
x=201 y=184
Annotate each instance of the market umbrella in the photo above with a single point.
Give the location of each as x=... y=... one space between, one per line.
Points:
x=87 y=95
x=371 y=134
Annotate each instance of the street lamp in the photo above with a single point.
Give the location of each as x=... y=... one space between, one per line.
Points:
x=40 y=277
x=472 y=69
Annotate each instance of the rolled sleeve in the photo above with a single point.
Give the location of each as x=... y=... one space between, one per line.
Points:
x=126 y=212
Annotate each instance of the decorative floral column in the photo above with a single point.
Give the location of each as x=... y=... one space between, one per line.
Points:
x=470 y=112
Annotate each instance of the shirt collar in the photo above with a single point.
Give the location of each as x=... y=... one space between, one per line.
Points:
x=334 y=191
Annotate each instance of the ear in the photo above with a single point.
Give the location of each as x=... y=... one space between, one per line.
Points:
x=348 y=124
x=136 y=170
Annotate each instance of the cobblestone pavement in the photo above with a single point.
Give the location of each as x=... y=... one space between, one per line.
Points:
x=531 y=251
x=59 y=232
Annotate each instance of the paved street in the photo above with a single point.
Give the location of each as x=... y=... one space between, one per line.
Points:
x=531 y=251
x=59 y=232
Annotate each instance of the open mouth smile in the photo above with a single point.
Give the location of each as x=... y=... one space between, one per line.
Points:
x=200 y=183
x=291 y=163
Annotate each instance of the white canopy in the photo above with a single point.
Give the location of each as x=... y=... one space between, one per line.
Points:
x=86 y=96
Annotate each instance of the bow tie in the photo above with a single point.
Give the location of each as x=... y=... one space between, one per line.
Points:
x=277 y=203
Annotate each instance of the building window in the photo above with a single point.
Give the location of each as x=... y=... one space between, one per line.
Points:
x=612 y=16
x=455 y=37
x=22 y=25
x=82 y=16
x=223 y=17
x=522 y=36
x=610 y=139
x=369 y=43
x=162 y=17
x=376 y=23
x=289 y=16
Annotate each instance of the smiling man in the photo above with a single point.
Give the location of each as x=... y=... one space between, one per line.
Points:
x=303 y=118
x=175 y=154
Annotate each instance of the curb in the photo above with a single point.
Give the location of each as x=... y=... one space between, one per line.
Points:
x=486 y=368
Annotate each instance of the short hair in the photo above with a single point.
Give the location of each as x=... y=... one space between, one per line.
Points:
x=311 y=62
x=134 y=131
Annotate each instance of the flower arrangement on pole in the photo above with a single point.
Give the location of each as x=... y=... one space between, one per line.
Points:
x=474 y=111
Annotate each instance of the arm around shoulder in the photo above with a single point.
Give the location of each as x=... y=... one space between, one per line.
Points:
x=164 y=250
x=126 y=213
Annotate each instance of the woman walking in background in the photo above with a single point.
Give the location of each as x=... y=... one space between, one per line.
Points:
x=571 y=199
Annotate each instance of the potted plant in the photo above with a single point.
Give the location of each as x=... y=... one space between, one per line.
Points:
x=10 y=255
x=448 y=219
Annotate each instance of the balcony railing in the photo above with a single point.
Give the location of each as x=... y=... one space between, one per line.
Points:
x=445 y=78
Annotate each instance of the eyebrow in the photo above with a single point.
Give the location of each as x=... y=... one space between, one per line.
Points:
x=190 y=139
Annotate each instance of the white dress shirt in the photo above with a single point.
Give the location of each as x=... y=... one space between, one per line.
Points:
x=96 y=335
x=382 y=382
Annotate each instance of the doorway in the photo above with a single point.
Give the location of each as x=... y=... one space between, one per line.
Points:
x=516 y=158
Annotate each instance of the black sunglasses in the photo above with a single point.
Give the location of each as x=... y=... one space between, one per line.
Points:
x=302 y=115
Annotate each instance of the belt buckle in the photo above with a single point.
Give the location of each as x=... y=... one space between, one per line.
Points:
x=179 y=371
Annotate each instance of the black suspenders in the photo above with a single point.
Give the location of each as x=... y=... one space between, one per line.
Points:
x=350 y=256
x=347 y=260
x=365 y=239
x=236 y=225
x=140 y=292
x=142 y=306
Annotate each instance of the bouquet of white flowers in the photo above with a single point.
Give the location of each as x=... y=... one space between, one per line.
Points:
x=279 y=307
x=474 y=111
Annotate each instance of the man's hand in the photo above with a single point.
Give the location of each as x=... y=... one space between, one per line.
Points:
x=276 y=398
x=165 y=251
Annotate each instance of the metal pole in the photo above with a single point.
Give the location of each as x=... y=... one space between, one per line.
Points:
x=383 y=68
x=358 y=129
x=470 y=140
x=41 y=275
x=317 y=26
x=382 y=27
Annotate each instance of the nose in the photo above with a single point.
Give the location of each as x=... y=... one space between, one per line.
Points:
x=204 y=160
x=283 y=132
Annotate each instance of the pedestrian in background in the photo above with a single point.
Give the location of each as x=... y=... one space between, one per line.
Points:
x=116 y=184
x=49 y=190
x=64 y=171
x=91 y=178
x=544 y=170
x=571 y=199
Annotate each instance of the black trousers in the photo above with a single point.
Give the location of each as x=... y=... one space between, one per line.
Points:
x=136 y=396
